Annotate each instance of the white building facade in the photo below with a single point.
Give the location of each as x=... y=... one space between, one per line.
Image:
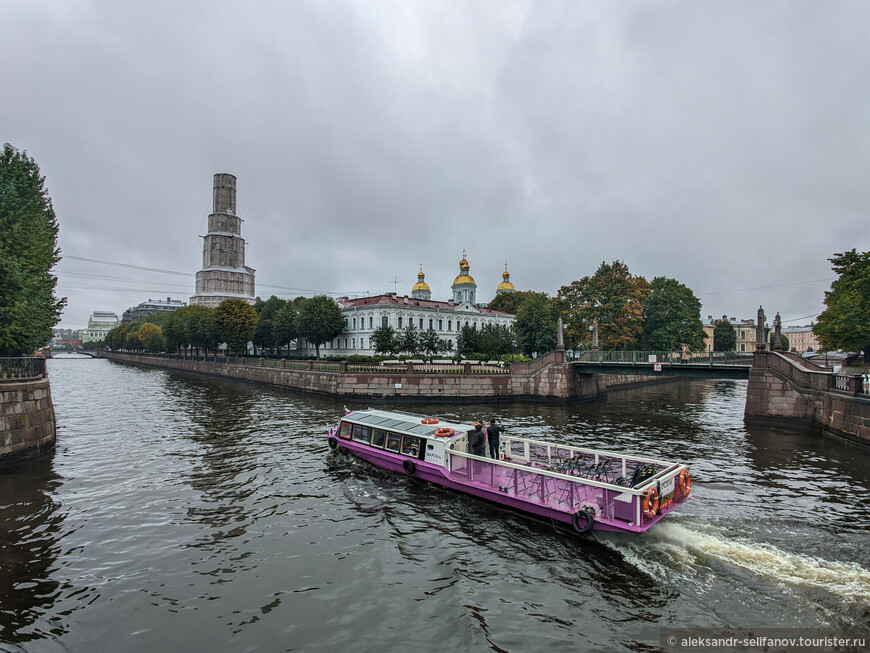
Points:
x=99 y=324
x=363 y=316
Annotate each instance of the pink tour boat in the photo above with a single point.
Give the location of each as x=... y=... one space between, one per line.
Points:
x=585 y=489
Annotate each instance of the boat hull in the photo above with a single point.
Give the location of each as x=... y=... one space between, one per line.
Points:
x=495 y=492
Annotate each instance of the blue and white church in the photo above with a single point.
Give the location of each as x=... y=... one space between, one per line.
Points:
x=364 y=315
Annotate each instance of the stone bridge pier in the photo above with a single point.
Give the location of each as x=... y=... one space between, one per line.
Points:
x=783 y=386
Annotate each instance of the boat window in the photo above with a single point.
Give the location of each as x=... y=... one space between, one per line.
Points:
x=393 y=441
x=362 y=433
x=378 y=438
x=411 y=446
x=345 y=430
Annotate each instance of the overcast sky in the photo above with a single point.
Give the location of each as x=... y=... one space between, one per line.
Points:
x=724 y=144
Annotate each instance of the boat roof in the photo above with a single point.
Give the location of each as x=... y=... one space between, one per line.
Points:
x=404 y=422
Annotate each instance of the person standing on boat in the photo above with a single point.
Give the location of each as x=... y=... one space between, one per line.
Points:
x=492 y=433
x=475 y=438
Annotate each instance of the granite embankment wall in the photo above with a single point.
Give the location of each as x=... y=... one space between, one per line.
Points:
x=550 y=378
x=27 y=426
x=783 y=386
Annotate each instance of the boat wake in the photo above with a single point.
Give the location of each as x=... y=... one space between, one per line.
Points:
x=674 y=548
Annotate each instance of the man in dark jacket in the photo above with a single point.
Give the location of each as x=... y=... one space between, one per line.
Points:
x=492 y=433
x=475 y=438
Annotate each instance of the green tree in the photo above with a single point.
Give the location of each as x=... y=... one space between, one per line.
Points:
x=845 y=322
x=724 y=336
x=614 y=297
x=510 y=302
x=535 y=325
x=672 y=316
x=28 y=252
x=284 y=325
x=319 y=320
x=430 y=343
x=199 y=328
x=267 y=311
x=385 y=340
x=156 y=343
x=146 y=332
x=468 y=341
x=235 y=320
x=409 y=340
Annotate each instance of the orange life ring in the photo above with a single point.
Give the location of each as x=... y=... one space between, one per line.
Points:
x=651 y=503
x=429 y=420
x=685 y=481
x=444 y=433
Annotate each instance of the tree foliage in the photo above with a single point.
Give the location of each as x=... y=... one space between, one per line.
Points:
x=265 y=331
x=491 y=341
x=614 y=297
x=409 y=340
x=146 y=333
x=235 y=321
x=510 y=302
x=845 y=322
x=724 y=336
x=672 y=316
x=319 y=319
x=535 y=325
x=28 y=252
x=284 y=325
x=385 y=340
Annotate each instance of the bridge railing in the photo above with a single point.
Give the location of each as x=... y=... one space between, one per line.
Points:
x=21 y=367
x=671 y=357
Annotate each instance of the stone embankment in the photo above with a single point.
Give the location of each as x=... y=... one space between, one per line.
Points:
x=549 y=378
x=783 y=386
x=27 y=424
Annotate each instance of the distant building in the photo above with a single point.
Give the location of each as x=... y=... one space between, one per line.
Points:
x=366 y=314
x=99 y=324
x=801 y=338
x=224 y=274
x=150 y=307
x=744 y=330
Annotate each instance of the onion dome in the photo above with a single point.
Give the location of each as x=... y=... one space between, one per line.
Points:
x=421 y=289
x=505 y=285
x=464 y=277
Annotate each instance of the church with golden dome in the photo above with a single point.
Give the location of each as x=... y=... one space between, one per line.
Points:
x=364 y=315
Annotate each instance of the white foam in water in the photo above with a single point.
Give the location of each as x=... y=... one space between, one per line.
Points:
x=690 y=548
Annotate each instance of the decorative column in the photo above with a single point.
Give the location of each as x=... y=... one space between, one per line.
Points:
x=777 y=333
x=760 y=345
x=594 y=335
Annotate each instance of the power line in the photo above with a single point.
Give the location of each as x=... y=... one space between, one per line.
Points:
x=780 y=285
x=190 y=274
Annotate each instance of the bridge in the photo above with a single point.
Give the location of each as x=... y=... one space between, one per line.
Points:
x=90 y=353
x=729 y=365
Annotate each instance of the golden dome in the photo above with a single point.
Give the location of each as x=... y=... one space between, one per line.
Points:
x=464 y=277
x=421 y=285
x=506 y=285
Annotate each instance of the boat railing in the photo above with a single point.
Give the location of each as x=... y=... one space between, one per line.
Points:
x=553 y=488
x=551 y=454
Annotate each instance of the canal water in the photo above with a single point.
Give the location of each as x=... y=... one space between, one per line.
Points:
x=182 y=513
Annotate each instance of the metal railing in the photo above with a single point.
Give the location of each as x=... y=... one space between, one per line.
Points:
x=671 y=357
x=21 y=367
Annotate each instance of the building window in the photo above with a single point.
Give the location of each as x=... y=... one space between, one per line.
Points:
x=400 y=321
x=385 y=321
x=450 y=325
x=440 y=325
x=430 y=322
x=421 y=322
x=370 y=321
x=354 y=324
